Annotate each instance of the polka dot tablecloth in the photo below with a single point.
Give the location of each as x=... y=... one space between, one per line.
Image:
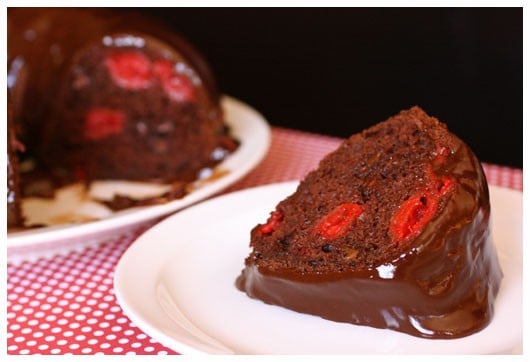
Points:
x=65 y=303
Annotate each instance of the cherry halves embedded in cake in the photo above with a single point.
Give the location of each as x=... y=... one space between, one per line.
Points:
x=390 y=231
x=103 y=94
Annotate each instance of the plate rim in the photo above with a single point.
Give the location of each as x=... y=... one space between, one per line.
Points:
x=143 y=322
x=32 y=238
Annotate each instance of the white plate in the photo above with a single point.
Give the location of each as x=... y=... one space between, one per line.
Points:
x=246 y=124
x=176 y=282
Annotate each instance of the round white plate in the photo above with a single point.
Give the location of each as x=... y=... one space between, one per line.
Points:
x=176 y=282
x=246 y=125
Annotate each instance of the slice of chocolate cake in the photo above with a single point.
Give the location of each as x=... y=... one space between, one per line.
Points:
x=390 y=231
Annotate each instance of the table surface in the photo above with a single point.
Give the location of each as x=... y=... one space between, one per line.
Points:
x=65 y=303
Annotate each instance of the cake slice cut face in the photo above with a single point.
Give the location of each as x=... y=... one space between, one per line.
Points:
x=392 y=230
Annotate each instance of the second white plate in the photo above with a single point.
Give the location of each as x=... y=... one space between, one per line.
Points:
x=176 y=282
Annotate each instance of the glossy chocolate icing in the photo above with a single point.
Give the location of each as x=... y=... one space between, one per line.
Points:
x=443 y=287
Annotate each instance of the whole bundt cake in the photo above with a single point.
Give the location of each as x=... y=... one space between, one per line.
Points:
x=390 y=231
x=106 y=94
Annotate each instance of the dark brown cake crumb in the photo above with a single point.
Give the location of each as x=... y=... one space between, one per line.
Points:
x=341 y=214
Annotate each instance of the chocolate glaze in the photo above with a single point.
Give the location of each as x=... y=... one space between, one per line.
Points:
x=14 y=215
x=443 y=287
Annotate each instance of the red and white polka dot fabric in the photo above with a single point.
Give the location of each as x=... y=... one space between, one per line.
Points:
x=65 y=303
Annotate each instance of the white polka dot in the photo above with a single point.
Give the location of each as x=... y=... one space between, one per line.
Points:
x=12 y=348
x=74 y=346
x=105 y=345
x=136 y=345
x=123 y=340
x=117 y=349
x=33 y=322
x=56 y=329
x=49 y=338
x=149 y=349
x=110 y=337
x=115 y=328
x=86 y=350
x=24 y=351
x=43 y=347
x=31 y=343
x=80 y=337
x=45 y=306
x=98 y=333
x=62 y=342
x=20 y=339
x=25 y=330
x=128 y=332
x=92 y=341
x=38 y=334
x=68 y=333
x=74 y=306
x=74 y=325
x=44 y=326
x=28 y=311
x=55 y=351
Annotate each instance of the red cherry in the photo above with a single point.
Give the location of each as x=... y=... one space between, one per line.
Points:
x=130 y=70
x=177 y=86
x=102 y=122
x=272 y=223
x=338 y=221
x=412 y=216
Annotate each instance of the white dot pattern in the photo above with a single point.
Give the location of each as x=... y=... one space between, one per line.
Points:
x=65 y=303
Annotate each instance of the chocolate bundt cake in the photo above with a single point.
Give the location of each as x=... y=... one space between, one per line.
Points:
x=390 y=231
x=104 y=94
x=14 y=215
